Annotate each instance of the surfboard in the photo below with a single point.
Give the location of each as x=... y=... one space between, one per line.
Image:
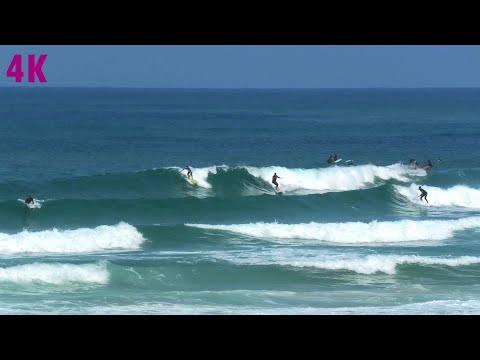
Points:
x=349 y=162
x=279 y=191
x=192 y=181
x=35 y=205
x=337 y=161
x=426 y=167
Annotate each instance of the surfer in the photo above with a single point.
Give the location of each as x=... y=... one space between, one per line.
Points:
x=29 y=200
x=274 y=180
x=189 y=172
x=429 y=163
x=424 y=194
x=335 y=158
x=413 y=164
x=330 y=160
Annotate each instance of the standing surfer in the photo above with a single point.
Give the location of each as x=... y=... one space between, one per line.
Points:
x=189 y=172
x=424 y=194
x=274 y=180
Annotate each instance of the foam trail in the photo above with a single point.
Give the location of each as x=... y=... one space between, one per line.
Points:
x=460 y=195
x=56 y=274
x=336 y=178
x=354 y=232
x=105 y=237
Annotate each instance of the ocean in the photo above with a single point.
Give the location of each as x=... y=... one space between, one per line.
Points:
x=116 y=228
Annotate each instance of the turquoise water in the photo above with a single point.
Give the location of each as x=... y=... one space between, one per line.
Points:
x=117 y=228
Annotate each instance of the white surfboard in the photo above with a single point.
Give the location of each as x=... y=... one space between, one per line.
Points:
x=35 y=205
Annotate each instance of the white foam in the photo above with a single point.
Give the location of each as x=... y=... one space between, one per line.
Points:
x=460 y=195
x=379 y=263
x=353 y=232
x=105 y=237
x=56 y=274
x=440 y=307
x=337 y=178
x=326 y=259
x=320 y=180
x=201 y=174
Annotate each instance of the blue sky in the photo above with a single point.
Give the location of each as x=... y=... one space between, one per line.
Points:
x=258 y=66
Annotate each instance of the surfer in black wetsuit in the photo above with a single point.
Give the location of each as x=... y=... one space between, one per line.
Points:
x=330 y=160
x=189 y=172
x=429 y=163
x=274 y=180
x=424 y=194
x=29 y=200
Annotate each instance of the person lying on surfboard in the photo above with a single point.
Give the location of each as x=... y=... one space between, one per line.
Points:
x=189 y=172
x=29 y=200
x=274 y=180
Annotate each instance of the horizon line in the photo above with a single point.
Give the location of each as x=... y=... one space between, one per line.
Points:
x=232 y=88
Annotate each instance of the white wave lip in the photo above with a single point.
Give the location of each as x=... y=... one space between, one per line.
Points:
x=381 y=263
x=459 y=195
x=201 y=174
x=337 y=178
x=354 y=232
x=56 y=274
x=105 y=237
x=321 y=259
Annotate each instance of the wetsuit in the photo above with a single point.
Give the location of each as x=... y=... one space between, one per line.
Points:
x=28 y=200
x=424 y=195
x=189 y=171
x=274 y=180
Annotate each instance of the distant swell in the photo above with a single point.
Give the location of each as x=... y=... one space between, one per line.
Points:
x=219 y=180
